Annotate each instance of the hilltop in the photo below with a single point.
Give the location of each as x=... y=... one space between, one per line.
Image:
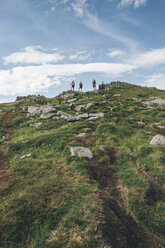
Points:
x=84 y=170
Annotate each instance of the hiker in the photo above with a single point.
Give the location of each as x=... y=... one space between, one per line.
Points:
x=94 y=85
x=72 y=85
x=80 y=86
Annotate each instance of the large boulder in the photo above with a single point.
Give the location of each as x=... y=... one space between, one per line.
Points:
x=158 y=140
x=33 y=111
x=83 y=116
x=67 y=94
x=81 y=152
x=48 y=109
x=61 y=107
x=66 y=116
x=96 y=116
x=47 y=116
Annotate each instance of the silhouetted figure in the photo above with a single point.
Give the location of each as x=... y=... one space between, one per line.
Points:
x=94 y=84
x=80 y=86
x=72 y=85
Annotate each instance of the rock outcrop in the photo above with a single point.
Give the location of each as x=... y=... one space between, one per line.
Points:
x=157 y=101
x=158 y=140
x=83 y=152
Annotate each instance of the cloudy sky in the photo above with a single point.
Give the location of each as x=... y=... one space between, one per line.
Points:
x=44 y=44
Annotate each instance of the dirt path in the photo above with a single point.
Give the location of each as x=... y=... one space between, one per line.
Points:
x=5 y=174
x=156 y=191
x=118 y=228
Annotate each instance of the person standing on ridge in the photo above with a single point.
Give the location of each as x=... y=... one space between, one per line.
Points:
x=94 y=85
x=80 y=86
x=72 y=85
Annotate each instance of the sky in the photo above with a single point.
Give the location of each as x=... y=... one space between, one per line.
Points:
x=45 y=44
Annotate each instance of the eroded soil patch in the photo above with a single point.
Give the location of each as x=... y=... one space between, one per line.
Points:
x=156 y=191
x=118 y=227
x=5 y=174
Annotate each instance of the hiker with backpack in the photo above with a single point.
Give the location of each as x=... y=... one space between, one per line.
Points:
x=72 y=85
x=94 y=85
x=80 y=86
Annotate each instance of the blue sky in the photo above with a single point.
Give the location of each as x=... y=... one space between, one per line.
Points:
x=45 y=44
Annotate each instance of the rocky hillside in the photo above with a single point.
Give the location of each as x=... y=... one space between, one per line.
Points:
x=84 y=170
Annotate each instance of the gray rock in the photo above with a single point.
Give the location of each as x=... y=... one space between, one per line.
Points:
x=81 y=152
x=80 y=135
x=83 y=99
x=67 y=94
x=96 y=116
x=36 y=124
x=158 y=140
x=89 y=105
x=72 y=100
x=159 y=125
x=33 y=111
x=71 y=119
x=147 y=132
x=56 y=118
x=157 y=101
x=2 y=110
x=26 y=156
x=85 y=106
x=61 y=107
x=83 y=116
x=102 y=148
x=66 y=116
x=79 y=107
x=140 y=123
x=99 y=115
x=31 y=116
x=117 y=95
x=25 y=108
x=47 y=116
x=48 y=109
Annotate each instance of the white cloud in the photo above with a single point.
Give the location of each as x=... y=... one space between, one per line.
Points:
x=79 y=6
x=135 y=3
x=33 y=79
x=115 y=53
x=150 y=58
x=156 y=80
x=82 y=55
x=32 y=55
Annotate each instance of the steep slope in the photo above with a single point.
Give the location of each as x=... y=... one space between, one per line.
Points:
x=113 y=199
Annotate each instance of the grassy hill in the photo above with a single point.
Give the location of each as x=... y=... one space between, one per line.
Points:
x=116 y=199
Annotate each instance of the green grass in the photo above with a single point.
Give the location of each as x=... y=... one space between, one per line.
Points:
x=52 y=202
